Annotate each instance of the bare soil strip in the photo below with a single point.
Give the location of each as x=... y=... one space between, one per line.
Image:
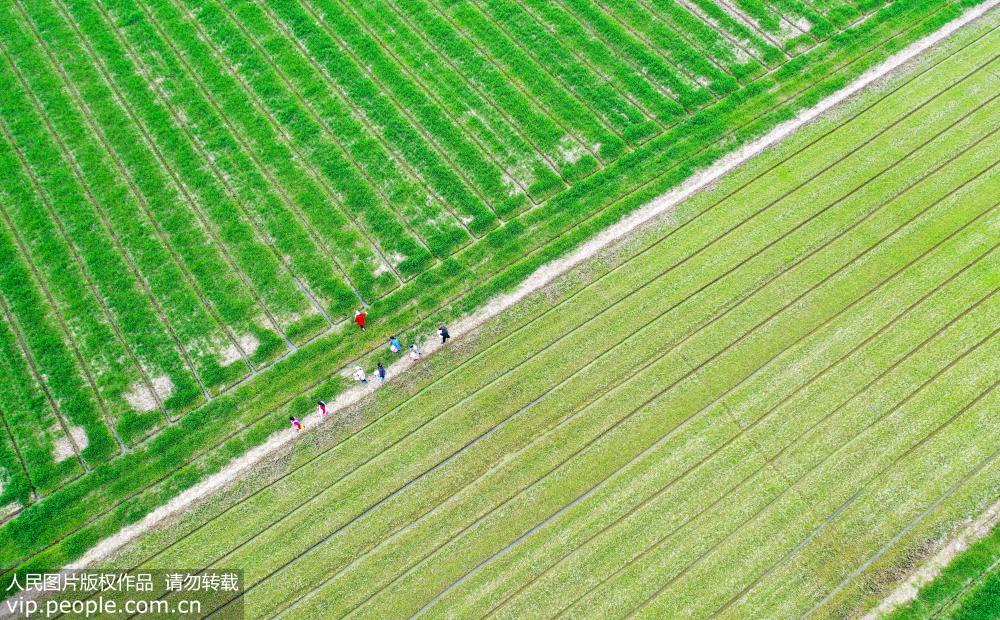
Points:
x=908 y=590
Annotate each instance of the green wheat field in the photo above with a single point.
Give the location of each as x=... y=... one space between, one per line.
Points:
x=775 y=402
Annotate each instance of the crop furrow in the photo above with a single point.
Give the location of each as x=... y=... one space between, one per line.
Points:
x=107 y=349
x=416 y=124
x=616 y=113
x=74 y=191
x=142 y=197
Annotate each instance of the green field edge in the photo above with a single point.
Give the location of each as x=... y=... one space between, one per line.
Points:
x=967 y=587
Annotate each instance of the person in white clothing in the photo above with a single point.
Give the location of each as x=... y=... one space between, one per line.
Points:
x=359 y=375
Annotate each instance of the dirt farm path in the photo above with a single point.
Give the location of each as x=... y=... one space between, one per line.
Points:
x=643 y=216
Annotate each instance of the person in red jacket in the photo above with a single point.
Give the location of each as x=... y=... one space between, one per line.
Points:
x=359 y=318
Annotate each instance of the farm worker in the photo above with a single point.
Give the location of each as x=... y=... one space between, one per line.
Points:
x=443 y=332
x=359 y=318
x=359 y=375
x=394 y=345
x=381 y=372
x=322 y=408
x=414 y=352
x=295 y=423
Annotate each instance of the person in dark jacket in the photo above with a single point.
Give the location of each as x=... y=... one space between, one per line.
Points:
x=443 y=332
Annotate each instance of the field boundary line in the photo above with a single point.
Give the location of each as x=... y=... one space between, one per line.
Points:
x=750 y=22
x=226 y=67
x=930 y=569
x=854 y=61
x=130 y=52
x=339 y=95
x=622 y=197
x=17 y=451
x=680 y=75
x=336 y=201
x=827 y=13
x=658 y=17
x=914 y=78
x=428 y=90
x=602 y=117
x=639 y=187
x=810 y=6
x=658 y=355
x=829 y=519
x=720 y=138
x=600 y=73
x=720 y=398
x=782 y=16
x=406 y=168
x=898 y=405
x=251 y=99
x=910 y=526
x=546 y=274
x=417 y=124
x=240 y=137
x=734 y=598
x=70 y=155
x=833 y=515
x=965 y=589
x=768 y=70
x=657 y=50
x=112 y=321
x=29 y=357
x=933 y=433
x=98 y=131
x=570 y=416
x=333 y=92
x=744 y=46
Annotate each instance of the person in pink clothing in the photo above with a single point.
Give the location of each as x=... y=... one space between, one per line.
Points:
x=295 y=423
